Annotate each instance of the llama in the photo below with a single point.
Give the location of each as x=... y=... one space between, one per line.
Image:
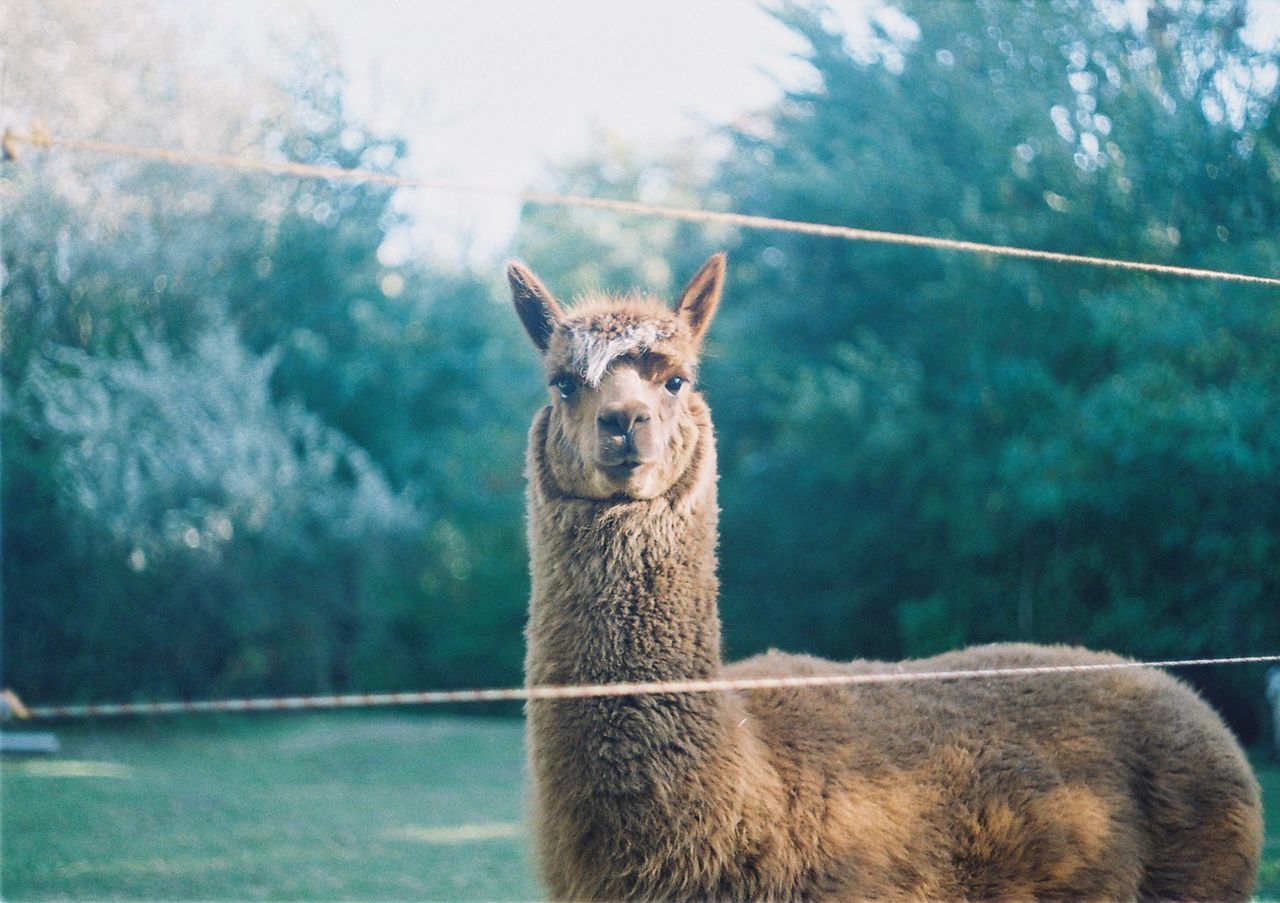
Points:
x=1103 y=785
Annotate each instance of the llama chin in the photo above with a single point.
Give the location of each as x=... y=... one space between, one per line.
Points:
x=1104 y=785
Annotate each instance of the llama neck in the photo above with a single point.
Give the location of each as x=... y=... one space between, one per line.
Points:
x=624 y=590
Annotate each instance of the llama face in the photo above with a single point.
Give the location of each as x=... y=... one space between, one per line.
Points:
x=620 y=378
x=622 y=436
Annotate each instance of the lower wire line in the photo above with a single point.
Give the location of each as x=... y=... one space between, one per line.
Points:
x=894 y=673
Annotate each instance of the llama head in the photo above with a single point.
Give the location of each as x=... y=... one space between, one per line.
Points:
x=624 y=415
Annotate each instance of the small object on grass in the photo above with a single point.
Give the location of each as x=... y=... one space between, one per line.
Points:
x=29 y=744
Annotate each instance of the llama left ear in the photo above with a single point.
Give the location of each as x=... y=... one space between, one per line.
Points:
x=538 y=311
x=697 y=304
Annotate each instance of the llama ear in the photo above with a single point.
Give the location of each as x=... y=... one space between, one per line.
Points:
x=538 y=311
x=697 y=304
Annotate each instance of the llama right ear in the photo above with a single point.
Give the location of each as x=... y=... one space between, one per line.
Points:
x=698 y=302
x=538 y=311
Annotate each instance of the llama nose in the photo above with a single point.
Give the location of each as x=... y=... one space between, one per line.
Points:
x=621 y=418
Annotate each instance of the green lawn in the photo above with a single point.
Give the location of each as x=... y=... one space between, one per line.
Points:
x=303 y=807
x=1269 y=882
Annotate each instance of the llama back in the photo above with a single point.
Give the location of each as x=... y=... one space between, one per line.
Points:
x=1098 y=783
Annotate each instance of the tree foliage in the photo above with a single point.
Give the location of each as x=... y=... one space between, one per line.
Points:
x=248 y=447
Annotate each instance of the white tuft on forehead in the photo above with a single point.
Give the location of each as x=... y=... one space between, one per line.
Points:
x=593 y=353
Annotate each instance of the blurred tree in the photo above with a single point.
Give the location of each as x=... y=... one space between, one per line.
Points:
x=250 y=528
x=249 y=445
x=1071 y=455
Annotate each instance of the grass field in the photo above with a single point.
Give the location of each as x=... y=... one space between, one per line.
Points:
x=299 y=807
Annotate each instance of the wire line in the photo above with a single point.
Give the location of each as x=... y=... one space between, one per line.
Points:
x=40 y=139
x=591 y=691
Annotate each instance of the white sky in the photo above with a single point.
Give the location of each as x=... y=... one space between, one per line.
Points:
x=490 y=91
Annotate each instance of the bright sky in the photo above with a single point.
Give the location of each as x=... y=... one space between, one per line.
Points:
x=491 y=91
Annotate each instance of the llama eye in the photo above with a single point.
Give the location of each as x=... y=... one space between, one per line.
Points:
x=674 y=384
x=567 y=386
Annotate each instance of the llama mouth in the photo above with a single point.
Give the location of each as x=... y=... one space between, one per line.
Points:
x=621 y=471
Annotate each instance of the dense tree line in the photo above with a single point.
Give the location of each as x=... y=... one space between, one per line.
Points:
x=251 y=448
x=248 y=446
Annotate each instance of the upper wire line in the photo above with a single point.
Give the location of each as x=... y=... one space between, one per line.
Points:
x=41 y=139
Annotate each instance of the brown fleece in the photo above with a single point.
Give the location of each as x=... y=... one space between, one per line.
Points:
x=1101 y=786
